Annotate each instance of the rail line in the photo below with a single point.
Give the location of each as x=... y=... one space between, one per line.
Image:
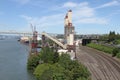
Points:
x=107 y=68
x=104 y=63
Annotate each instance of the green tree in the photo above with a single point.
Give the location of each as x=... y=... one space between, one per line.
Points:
x=115 y=51
x=49 y=72
x=118 y=36
x=41 y=69
x=118 y=55
x=73 y=69
x=82 y=78
x=64 y=60
x=103 y=37
x=56 y=57
x=46 y=75
x=65 y=69
x=47 y=55
x=81 y=71
x=33 y=61
x=58 y=71
x=112 y=36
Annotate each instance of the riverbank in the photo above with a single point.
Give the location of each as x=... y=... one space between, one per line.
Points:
x=110 y=50
x=49 y=65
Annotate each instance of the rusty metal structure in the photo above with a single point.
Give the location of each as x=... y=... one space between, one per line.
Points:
x=34 y=42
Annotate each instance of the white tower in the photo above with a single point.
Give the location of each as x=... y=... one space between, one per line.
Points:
x=70 y=17
x=69 y=29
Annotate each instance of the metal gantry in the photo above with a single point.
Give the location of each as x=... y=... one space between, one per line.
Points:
x=34 y=42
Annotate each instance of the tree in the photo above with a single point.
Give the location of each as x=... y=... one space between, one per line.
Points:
x=47 y=55
x=115 y=51
x=78 y=70
x=64 y=69
x=56 y=57
x=118 y=36
x=40 y=70
x=73 y=69
x=46 y=75
x=112 y=36
x=33 y=61
x=64 y=60
x=55 y=67
x=103 y=38
x=49 y=72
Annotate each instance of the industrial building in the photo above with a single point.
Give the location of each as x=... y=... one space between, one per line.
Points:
x=69 y=31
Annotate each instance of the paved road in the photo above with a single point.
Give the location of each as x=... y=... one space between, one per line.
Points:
x=101 y=66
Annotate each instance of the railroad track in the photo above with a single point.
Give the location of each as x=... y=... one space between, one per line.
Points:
x=105 y=63
x=105 y=67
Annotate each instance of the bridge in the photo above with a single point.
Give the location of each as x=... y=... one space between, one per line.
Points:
x=25 y=33
x=48 y=35
x=14 y=32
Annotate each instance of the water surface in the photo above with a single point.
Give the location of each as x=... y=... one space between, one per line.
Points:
x=13 y=59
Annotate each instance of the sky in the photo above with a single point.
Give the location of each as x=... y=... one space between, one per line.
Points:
x=89 y=16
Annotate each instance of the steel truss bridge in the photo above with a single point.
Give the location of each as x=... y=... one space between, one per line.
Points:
x=14 y=32
x=48 y=35
x=25 y=33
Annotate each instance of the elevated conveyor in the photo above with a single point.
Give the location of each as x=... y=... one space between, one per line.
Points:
x=54 y=40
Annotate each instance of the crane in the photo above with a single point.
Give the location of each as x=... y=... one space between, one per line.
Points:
x=34 y=42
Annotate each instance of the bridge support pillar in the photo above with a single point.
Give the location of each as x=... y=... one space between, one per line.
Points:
x=43 y=41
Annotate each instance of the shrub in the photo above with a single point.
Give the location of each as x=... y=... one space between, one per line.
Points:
x=115 y=51
x=101 y=47
x=55 y=57
x=73 y=69
x=49 y=72
x=47 y=55
x=118 y=55
x=82 y=78
x=117 y=41
x=48 y=65
x=65 y=69
x=33 y=61
x=64 y=60
x=40 y=70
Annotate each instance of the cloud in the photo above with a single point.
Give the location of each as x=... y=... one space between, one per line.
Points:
x=74 y=5
x=28 y=18
x=70 y=4
x=82 y=14
x=113 y=3
x=93 y=20
x=45 y=21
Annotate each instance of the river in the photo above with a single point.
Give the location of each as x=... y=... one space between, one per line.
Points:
x=13 y=61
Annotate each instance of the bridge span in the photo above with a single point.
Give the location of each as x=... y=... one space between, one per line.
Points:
x=48 y=35
x=14 y=32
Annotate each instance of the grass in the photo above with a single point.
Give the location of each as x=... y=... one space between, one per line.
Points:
x=101 y=47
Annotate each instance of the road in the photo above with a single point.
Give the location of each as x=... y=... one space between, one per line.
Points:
x=100 y=65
